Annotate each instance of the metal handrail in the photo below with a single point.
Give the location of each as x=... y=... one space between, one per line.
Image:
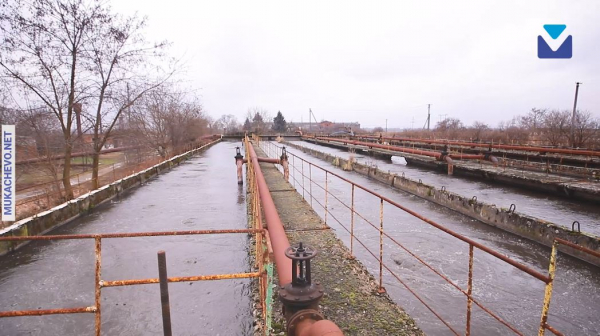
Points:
x=99 y=283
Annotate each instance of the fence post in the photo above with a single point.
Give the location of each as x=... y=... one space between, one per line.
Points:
x=294 y=170
x=469 y=291
x=164 y=293
x=303 y=179
x=310 y=182
x=548 y=290
x=352 y=225
x=326 y=191
x=97 y=287
x=381 y=289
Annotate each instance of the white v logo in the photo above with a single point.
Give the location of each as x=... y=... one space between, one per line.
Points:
x=552 y=43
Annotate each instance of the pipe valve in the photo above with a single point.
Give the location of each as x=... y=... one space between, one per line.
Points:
x=239 y=161
x=238 y=154
x=301 y=296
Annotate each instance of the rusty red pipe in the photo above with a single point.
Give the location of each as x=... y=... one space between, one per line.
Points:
x=483 y=145
x=266 y=160
x=279 y=239
x=388 y=147
x=279 y=243
x=436 y=155
x=269 y=160
x=310 y=327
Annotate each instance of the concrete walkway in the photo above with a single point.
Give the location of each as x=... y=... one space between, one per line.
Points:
x=351 y=299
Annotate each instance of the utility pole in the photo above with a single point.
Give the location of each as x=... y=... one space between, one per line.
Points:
x=385 y=125
x=427 y=122
x=428 y=115
x=573 y=117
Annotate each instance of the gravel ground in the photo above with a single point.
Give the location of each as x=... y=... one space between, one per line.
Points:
x=351 y=299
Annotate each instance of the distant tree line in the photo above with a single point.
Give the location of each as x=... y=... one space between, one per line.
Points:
x=549 y=127
x=257 y=120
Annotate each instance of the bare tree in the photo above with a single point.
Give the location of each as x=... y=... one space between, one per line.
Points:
x=258 y=116
x=41 y=49
x=227 y=123
x=513 y=132
x=586 y=128
x=43 y=127
x=555 y=125
x=449 y=127
x=124 y=68
x=165 y=119
x=479 y=129
x=534 y=119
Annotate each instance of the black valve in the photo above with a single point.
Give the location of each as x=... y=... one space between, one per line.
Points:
x=238 y=154
x=301 y=293
x=300 y=256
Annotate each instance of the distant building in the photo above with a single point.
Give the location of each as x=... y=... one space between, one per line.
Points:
x=327 y=126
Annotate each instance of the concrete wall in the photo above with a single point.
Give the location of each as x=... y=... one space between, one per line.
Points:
x=532 y=228
x=48 y=220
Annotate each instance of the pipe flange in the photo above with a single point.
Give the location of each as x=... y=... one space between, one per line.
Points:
x=301 y=296
x=301 y=316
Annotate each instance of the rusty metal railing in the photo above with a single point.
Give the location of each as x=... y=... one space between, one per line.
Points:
x=99 y=283
x=273 y=150
x=263 y=250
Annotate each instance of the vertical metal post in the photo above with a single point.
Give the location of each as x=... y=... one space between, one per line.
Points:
x=352 y=224
x=310 y=182
x=548 y=290
x=469 y=291
x=381 y=289
x=573 y=117
x=294 y=170
x=164 y=293
x=97 y=285
x=326 y=191
x=257 y=212
x=302 y=179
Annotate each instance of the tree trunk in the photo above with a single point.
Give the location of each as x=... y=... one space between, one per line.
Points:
x=66 y=179
x=95 y=169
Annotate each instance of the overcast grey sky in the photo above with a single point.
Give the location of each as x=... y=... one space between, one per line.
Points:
x=367 y=61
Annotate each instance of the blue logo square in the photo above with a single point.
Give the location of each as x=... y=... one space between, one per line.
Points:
x=565 y=50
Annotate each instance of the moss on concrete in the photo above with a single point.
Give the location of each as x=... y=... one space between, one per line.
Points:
x=351 y=299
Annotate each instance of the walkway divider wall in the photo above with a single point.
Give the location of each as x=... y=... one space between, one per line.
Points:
x=303 y=317
x=48 y=220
